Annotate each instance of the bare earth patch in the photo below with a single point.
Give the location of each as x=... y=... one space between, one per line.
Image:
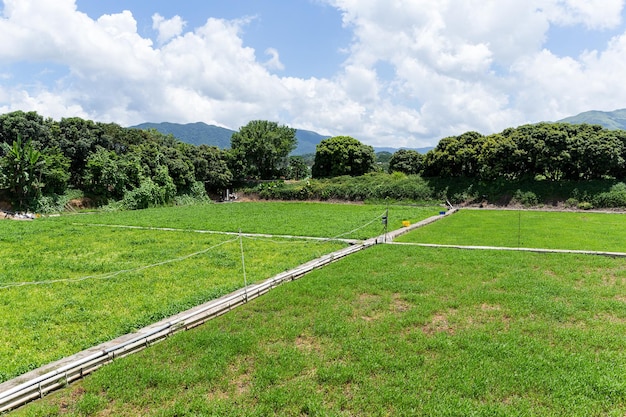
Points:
x=308 y=344
x=439 y=324
x=399 y=305
x=365 y=307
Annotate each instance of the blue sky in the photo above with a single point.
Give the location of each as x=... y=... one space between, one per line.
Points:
x=398 y=73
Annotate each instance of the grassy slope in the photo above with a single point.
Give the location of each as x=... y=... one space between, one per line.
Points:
x=400 y=331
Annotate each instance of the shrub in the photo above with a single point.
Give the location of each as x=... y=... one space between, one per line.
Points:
x=526 y=198
x=148 y=194
x=197 y=195
x=571 y=202
x=55 y=203
x=610 y=199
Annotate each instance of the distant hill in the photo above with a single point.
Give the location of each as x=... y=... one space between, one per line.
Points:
x=203 y=134
x=194 y=133
x=392 y=150
x=307 y=141
x=612 y=120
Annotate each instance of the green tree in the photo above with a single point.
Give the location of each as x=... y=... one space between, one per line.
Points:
x=29 y=125
x=383 y=157
x=499 y=157
x=211 y=167
x=19 y=166
x=343 y=155
x=601 y=155
x=55 y=172
x=456 y=156
x=408 y=161
x=262 y=147
x=297 y=169
x=104 y=175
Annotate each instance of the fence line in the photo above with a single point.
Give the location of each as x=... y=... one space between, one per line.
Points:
x=217 y=232
x=516 y=249
x=116 y=273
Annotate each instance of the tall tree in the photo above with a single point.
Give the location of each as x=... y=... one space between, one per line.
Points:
x=408 y=161
x=343 y=155
x=211 y=167
x=263 y=148
x=297 y=169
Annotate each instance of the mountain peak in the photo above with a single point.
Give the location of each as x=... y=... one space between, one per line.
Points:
x=613 y=120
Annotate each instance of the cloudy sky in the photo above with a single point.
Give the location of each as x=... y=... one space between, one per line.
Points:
x=387 y=72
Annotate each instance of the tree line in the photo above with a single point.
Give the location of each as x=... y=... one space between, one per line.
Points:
x=44 y=158
x=553 y=151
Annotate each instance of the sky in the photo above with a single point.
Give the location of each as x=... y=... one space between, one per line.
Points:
x=393 y=73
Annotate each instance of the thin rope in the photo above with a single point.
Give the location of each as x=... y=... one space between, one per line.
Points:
x=114 y=274
x=358 y=228
x=246 y=235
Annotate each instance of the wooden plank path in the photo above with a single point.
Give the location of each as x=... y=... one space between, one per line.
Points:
x=39 y=382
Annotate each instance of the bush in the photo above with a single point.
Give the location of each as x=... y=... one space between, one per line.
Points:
x=610 y=199
x=374 y=186
x=571 y=202
x=148 y=194
x=197 y=195
x=55 y=203
x=526 y=198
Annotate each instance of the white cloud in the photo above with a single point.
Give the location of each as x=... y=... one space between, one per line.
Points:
x=274 y=62
x=167 y=28
x=594 y=14
x=452 y=66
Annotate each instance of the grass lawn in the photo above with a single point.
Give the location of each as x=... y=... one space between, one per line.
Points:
x=530 y=229
x=391 y=331
x=284 y=218
x=42 y=323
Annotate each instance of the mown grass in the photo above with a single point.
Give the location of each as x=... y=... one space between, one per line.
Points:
x=42 y=323
x=530 y=229
x=402 y=331
x=286 y=218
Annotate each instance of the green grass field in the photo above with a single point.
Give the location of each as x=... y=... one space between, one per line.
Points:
x=529 y=229
x=96 y=283
x=285 y=218
x=391 y=331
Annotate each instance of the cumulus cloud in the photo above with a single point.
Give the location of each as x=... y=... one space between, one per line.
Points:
x=594 y=14
x=167 y=28
x=415 y=71
x=274 y=62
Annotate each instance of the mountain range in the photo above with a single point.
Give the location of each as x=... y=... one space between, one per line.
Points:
x=612 y=120
x=201 y=133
